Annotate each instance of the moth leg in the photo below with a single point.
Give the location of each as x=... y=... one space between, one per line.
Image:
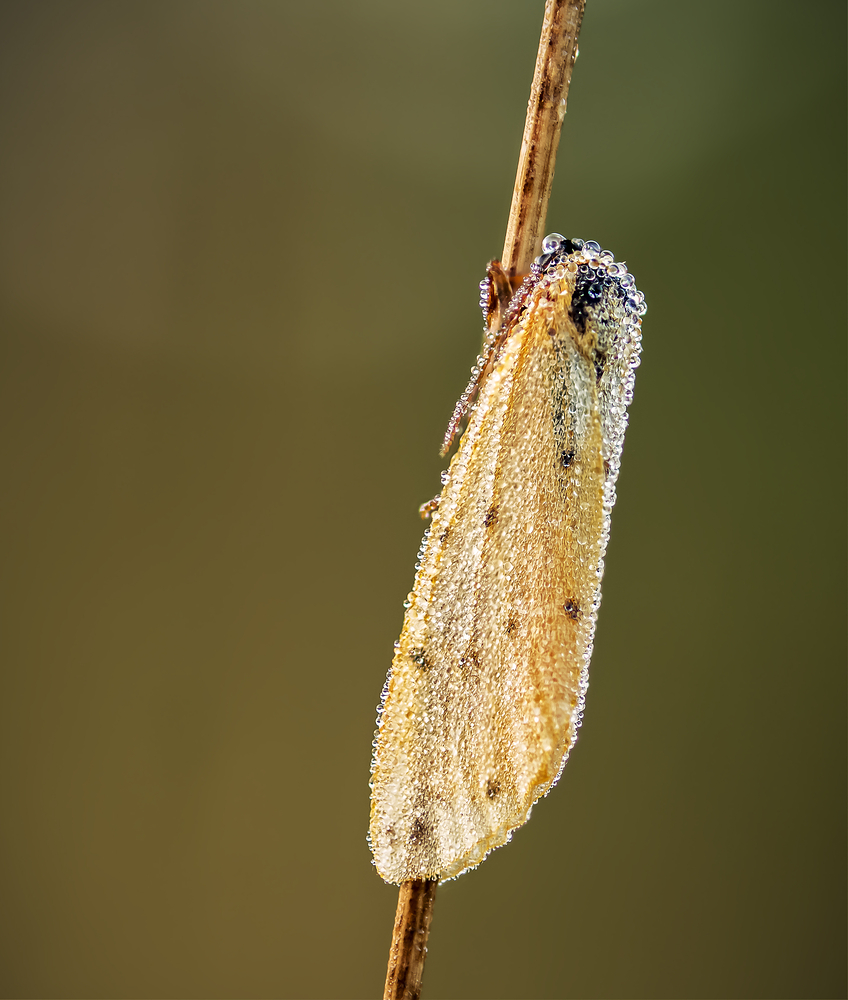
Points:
x=495 y=292
x=502 y=297
x=426 y=510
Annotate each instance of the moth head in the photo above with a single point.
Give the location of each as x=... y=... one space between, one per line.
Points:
x=556 y=247
x=604 y=299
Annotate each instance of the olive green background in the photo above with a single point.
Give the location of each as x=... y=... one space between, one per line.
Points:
x=239 y=253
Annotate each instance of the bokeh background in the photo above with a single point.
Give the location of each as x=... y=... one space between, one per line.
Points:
x=240 y=245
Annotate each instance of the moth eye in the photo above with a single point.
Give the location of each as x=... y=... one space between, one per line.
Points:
x=556 y=246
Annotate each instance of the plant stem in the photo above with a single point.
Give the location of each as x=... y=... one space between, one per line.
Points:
x=545 y=112
x=409 y=939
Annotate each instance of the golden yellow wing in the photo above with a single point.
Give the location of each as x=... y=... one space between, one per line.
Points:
x=489 y=676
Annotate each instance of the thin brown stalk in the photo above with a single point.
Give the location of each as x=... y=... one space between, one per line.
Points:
x=545 y=112
x=409 y=939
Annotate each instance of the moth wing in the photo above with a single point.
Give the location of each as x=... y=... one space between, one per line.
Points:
x=489 y=674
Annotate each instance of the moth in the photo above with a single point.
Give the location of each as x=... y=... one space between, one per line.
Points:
x=488 y=681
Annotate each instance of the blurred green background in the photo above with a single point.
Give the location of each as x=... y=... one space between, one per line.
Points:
x=240 y=245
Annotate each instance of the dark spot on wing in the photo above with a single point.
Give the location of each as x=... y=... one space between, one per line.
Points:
x=512 y=624
x=418 y=833
x=491 y=516
x=471 y=659
x=572 y=609
x=419 y=657
x=566 y=458
x=493 y=786
x=444 y=535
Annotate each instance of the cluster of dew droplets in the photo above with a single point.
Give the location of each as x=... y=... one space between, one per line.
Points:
x=561 y=255
x=576 y=256
x=621 y=307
